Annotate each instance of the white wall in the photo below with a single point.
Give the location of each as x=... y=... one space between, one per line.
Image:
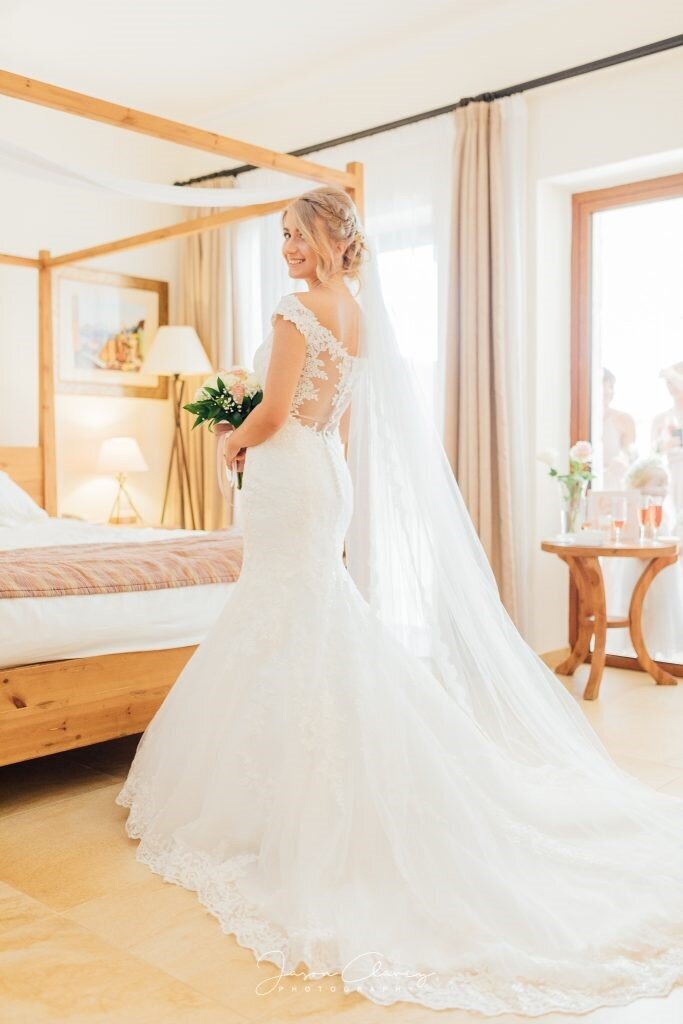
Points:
x=473 y=47
x=41 y=215
x=621 y=124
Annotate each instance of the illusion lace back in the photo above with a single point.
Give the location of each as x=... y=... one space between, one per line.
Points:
x=334 y=807
x=326 y=382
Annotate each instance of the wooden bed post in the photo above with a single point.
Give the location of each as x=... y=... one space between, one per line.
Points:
x=46 y=422
x=357 y=190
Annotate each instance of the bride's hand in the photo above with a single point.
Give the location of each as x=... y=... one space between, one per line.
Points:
x=233 y=453
x=222 y=428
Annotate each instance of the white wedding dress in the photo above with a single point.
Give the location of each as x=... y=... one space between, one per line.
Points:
x=338 y=811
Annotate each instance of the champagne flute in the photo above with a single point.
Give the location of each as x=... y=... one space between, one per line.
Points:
x=656 y=513
x=643 y=515
x=618 y=517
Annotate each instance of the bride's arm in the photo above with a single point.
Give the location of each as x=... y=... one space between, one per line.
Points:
x=287 y=358
x=344 y=429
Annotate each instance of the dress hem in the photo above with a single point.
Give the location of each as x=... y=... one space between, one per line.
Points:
x=215 y=882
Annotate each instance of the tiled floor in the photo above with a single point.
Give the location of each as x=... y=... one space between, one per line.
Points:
x=89 y=935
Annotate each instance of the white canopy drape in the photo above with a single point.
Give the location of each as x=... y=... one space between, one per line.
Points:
x=19 y=160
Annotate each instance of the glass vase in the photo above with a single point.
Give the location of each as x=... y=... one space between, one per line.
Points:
x=573 y=505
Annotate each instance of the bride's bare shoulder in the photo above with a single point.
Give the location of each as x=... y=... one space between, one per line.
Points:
x=330 y=305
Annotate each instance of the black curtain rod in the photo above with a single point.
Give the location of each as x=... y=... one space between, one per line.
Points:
x=487 y=97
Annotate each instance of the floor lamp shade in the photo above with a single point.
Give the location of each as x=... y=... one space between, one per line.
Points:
x=176 y=350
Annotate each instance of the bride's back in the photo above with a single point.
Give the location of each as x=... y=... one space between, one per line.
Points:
x=337 y=312
x=330 y=323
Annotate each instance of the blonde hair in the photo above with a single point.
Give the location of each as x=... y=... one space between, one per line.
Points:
x=325 y=216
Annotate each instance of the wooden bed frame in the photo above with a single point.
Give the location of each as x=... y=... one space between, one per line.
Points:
x=60 y=705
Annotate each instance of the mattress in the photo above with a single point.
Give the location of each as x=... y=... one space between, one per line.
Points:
x=78 y=626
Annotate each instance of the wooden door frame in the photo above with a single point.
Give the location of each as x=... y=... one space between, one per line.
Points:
x=584 y=205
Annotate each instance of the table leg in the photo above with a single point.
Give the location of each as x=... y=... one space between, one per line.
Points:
x=578 y=654
x=651 y=570
x=595 y=581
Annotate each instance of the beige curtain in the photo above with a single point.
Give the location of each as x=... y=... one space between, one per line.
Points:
x=205 y=302
x=476 y=422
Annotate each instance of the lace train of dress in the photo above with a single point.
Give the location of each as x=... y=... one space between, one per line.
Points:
x=334 y=807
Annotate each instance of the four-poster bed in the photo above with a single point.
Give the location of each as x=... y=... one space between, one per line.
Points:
x=52 y=706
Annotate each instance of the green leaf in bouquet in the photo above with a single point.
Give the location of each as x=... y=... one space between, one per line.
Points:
x=257 y=398
x=221 y=385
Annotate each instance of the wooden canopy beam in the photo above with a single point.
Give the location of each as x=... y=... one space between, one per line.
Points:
x=19 y=261
x=30 y=89
x=185 y=227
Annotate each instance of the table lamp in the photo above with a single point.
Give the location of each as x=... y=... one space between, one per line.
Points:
x=120 y=456
x=177 y=352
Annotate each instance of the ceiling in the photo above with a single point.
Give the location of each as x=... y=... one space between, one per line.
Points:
x=190 y=59
x=287 y=75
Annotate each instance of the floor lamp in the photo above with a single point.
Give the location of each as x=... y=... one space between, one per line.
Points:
x=120 y=456
x=177 y=352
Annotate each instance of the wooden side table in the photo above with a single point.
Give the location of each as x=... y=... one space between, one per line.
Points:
x=584 y=565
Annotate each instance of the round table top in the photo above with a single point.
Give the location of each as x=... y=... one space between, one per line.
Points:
x=665 y=547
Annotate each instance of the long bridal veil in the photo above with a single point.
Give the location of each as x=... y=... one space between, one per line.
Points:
x=414 y=553
x=599 y=880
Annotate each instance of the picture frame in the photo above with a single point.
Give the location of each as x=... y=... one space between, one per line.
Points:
x=103 y=326
x=599 y=509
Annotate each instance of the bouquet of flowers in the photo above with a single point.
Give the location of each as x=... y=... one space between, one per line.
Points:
x=573 y=484
x=226 y=398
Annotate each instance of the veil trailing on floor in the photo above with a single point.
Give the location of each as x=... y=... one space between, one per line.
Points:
x=413 y=552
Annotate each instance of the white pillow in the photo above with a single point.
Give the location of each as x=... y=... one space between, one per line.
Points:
x=16 y=506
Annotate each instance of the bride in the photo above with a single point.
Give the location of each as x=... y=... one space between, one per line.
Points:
x=363 y=769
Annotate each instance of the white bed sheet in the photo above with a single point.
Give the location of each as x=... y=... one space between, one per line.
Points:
x=34 y=629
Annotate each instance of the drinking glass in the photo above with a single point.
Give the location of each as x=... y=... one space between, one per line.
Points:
x=618 y=517
x=655 y=515
x=644 y=515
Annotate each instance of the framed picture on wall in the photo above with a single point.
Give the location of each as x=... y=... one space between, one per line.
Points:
x=104 y=324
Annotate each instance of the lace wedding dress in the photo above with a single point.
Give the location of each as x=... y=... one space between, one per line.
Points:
x=338 y=811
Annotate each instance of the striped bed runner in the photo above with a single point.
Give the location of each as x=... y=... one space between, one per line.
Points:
x=61 y=570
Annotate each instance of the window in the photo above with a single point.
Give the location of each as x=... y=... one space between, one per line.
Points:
x=637 y=333
x=627 y=385
x=408 y=270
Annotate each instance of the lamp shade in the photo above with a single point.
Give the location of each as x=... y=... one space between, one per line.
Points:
x=174 y=350
x=121 y=455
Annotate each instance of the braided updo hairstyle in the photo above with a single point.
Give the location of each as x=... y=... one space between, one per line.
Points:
x=325 y=216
